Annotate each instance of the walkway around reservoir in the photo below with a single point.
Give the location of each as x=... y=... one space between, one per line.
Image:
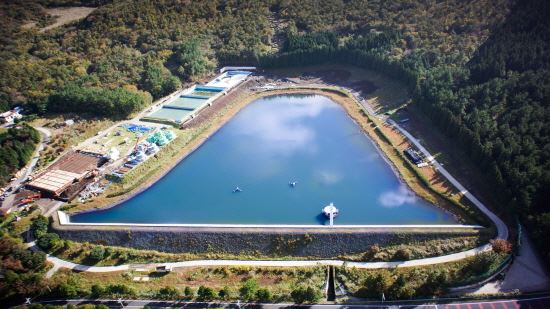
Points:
x=502 y=229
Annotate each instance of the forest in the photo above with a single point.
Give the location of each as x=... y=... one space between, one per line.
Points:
x=16 y=149
x=478 y=69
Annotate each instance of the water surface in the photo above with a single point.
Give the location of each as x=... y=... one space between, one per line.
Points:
x=274 y=140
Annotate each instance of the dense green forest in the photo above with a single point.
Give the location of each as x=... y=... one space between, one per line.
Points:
x=497 y=106
x=478 y=69
x=16 y=148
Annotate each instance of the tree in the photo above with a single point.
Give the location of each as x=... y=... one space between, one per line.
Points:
x=205 y=293
x=501 y=246
x=97 y=254
x=192 y=62
x=305 y=295
x=224 y=293
x=48 y=241
x=68 y=289
x=39 y=226
x=159 y=81
x=117 y=103
x=120 y=290
x=263 y=295
x=168 y=293
x=97 y=291
x=188 y=292
x=375 y=285
x=248 y=289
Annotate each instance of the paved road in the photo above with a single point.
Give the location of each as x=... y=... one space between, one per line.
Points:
x=502 y=229
x=270 y=263
x=528 y=273
x=534 y=303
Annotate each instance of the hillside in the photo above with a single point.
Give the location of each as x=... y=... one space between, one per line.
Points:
x=478 y=69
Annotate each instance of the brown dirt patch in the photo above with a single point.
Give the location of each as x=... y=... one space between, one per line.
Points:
x=65 y=15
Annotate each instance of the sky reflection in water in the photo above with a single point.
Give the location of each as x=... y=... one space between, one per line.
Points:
x=303 y=138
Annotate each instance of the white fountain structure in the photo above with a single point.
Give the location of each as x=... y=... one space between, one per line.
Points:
x=331 y=212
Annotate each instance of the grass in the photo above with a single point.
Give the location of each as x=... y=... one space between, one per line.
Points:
x=419 y=281
x=106 y=142
x=419 y=249
x=79 y=252
x=64 y=137
x=17 y=228
x=280 y=281
x=388 y=94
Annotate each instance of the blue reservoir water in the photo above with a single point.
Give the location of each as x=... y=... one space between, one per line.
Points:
x=274 y=140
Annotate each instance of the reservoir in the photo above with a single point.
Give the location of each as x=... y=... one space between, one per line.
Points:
x=274 y=141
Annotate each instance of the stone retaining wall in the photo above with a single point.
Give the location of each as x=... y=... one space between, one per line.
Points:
x=322 y=243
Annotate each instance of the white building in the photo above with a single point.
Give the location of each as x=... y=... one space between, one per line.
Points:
x=10 y=116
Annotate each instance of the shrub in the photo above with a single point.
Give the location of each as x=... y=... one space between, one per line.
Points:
x=248 y=290
x=108 y=252
x=120 y=289
x=205 y=293
x=501 y=246
x=97 y=254
x=224 y=293
x=67 y=289
x=481 y=263
x=39 y=226
x=305 y=295
x=97 y=291
x=263 y=295
x=402 y=254
x=401 y=289
x=371 y=253
x=168 y=293
x=374 y=286
x=188 y=292
x=48 y=241
x=435 y=284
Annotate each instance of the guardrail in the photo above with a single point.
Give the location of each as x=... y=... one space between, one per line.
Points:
x=480 y=280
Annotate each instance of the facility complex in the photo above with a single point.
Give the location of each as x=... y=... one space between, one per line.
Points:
x=129 y=144
x=68 y=175
x=185 y=105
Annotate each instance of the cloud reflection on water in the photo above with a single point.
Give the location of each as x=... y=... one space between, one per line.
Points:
x=396 y=198
x=282 y=130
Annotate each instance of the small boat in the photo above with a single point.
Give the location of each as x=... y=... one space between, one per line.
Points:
x=237 y=189
x=292 y=183
x=330 y=209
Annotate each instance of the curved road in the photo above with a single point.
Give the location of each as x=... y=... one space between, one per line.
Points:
x=502 y=229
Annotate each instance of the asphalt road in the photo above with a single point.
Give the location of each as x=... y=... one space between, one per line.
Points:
x=541 y=302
